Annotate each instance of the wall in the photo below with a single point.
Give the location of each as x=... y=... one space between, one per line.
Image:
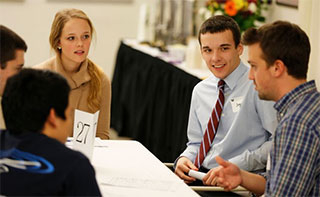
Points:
x=309 y=21
x=113 y=21
x=276 y=12
x=281 y=12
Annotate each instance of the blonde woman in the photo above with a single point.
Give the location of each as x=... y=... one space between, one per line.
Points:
x=70 y=38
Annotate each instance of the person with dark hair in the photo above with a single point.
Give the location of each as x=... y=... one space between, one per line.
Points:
x=279 y=56
x=12 y=49
x=226 y=115
x=34 y=159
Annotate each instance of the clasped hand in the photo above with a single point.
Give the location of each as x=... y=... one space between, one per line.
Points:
x=227 y=175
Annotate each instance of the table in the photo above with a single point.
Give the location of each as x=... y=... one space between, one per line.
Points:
x=127 y=168
x=150 y=102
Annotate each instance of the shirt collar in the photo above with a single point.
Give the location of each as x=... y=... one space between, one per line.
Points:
x=290 y=98
x=77 y=79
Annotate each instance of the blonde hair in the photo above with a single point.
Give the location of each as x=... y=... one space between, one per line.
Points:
x=60 y=19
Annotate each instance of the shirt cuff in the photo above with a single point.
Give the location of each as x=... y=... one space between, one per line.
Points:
x=239 y=161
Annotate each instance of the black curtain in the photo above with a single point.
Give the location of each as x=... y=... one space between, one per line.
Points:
x=150 y=102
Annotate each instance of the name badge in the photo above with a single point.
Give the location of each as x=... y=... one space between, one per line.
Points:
x=268 y=162
x=236 y=103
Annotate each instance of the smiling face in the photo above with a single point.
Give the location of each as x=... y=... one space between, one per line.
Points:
x=12 y=67
x=260 y=73
x=75 y=43
x=219 y=52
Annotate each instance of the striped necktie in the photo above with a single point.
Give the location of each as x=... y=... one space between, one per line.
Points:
x=212 y=127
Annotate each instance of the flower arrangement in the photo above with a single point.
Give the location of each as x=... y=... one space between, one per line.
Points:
x=247 y=13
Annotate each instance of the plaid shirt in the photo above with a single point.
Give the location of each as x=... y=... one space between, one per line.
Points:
x=295 y=156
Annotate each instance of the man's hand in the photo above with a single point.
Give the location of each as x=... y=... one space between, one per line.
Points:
x=182 y=169
x=227 y=175
x=210 y=178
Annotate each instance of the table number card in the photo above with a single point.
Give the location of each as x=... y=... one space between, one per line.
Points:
x=84 y=131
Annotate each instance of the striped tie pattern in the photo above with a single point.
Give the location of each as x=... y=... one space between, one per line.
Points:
x=212 y=127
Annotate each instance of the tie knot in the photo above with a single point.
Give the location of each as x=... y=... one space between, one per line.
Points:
x=221 y=84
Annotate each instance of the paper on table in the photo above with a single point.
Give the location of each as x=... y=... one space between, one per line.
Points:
x=97 y=142
x=149 y=184
x=196 y=174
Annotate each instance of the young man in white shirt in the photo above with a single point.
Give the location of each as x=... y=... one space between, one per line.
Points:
x=246 y=123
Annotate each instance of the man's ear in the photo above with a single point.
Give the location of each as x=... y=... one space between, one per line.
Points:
x=240 y=49
x=52 y=118
x=279 y=68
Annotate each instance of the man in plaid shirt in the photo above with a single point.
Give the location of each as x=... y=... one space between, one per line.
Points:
x=279 y=56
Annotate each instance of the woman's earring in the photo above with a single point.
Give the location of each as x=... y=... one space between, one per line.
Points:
x=59 y=48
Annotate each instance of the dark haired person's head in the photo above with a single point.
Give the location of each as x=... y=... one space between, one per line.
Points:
x=9 y=43
x=283 y=41
x=31 y=97
x=221 y=23
x=279 y=55
x=220 y=46
x=12 y=49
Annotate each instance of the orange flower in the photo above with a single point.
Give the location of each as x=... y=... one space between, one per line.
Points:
x=230 y=8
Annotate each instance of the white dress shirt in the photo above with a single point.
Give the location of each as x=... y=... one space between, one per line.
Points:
x=246 y=123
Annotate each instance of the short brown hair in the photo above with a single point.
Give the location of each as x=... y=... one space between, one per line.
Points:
x=283 y=41
x=221 y=23
x=9 y=43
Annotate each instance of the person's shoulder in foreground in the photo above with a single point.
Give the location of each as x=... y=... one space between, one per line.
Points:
x=34 y=158
x=46 y=167
x=297 y=144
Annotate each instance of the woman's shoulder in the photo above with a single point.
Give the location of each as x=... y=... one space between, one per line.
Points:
x=106 y=84
x=47 y=64
x=103 y=77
